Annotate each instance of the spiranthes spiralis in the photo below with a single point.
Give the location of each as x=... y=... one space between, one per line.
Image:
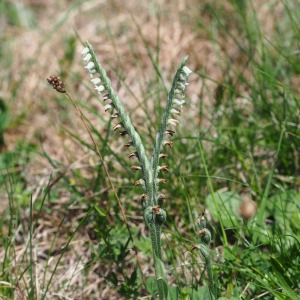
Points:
x=151 y=200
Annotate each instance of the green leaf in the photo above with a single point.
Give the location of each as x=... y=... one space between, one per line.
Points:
x=228 y=204
x=100 y=211
x=101 y=249
x=112 y=277
x=201 y=294
x=133 y=277
x=151 y=285
x=285 y=208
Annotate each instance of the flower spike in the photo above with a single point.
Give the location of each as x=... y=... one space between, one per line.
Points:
x=175 y=102
x=102 y=84
x=151 y=200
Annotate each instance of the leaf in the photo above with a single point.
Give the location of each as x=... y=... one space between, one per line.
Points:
x=173 y=292
x=226 y=207
x=151 y=285
x=112 y=277
x=133 y=277
x=285 y=208
x=100 y=211
x=201 y=294
x=101 y=249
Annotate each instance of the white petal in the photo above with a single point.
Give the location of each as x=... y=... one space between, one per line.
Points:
x=85 y=51
x=96 y=80
x=173 y=122
x=90 y=65
x=181 y=85
x=178 y=102
x=183 y=77
x=88 y=57
x=175 y=111
x=187 y=71
x=107 y=107
x=100 y=88
x=178 y=91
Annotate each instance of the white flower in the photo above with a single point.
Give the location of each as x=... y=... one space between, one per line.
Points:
x=85 y=51
x=107 y=107
x=181 y=85
x=90 y=66
x=173 y=122
x=187 y=71
x=175 y=111
x=99 y=88
x=88 y=57
x=178 y=91
x=96 y=80
x=178 y=102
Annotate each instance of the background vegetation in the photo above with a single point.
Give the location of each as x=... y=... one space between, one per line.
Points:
x=235 y=154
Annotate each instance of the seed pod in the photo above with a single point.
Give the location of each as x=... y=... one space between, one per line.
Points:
x=161 y=217
x=143 y=201
x=149 y=217
x=161 y=199
x=205 y=236
x=201 y=222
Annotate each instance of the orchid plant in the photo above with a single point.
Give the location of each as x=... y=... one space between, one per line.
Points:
x=152 y=201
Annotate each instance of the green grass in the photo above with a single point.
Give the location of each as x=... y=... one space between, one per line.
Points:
x=244 y=141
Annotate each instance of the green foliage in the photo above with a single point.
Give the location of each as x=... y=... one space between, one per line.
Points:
x=226 y=208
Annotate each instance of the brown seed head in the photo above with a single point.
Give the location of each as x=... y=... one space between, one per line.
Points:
x=57 y=83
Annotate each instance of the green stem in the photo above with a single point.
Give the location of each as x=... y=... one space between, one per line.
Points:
x=211 y=282
x=155 y=231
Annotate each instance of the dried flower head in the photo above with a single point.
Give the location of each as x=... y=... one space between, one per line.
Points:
x=57 y=83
